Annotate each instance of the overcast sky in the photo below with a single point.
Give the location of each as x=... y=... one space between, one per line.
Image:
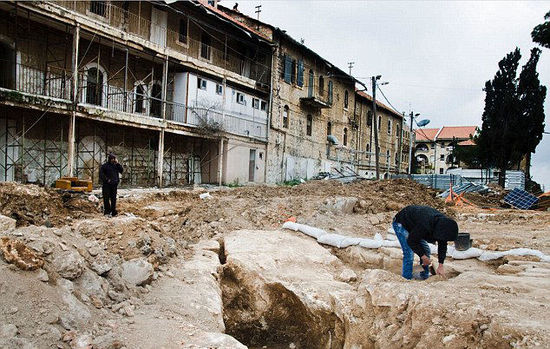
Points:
x=435 y=55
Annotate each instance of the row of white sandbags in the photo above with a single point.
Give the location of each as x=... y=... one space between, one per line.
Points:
x=341 y=241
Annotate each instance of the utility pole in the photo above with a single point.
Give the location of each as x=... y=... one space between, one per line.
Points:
x=375 y=126
x=410 y=142
x=350 y=66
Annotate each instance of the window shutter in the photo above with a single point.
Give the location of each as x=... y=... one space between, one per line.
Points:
x=283 y=66
x=300 y=73
x=288 y=69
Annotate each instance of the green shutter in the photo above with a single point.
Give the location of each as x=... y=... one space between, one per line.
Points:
x=288 y=69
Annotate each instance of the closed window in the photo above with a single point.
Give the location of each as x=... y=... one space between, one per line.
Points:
x=240 y=98
x=201 y=84
x=182 y=34
x=346 y=99
x=321 y=85
x=441 y=171
x=309 y=125
x=368 y=148
x=389 y=127
x=329 y=128
x=285 y=116
x=379 y=123
x=263 y=105
x=255 y=103
x=219 y=89
x=369 y=118
x=330 y=92
x=442 y=157
x=345 y=136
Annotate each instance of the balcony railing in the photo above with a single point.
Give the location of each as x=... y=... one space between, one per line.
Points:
x=43 y=81
x=226 y=58
x=52 y=82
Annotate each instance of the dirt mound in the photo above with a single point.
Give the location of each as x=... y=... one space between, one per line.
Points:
x=34 y=205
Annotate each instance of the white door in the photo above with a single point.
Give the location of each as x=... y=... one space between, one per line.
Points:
x=159 y=22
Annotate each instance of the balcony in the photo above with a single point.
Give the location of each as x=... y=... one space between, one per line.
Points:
x=187 y=49
x=314 y=102
x=27 y=84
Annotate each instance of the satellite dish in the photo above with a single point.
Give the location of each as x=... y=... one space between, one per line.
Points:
x=333 y=140
x=423 y=123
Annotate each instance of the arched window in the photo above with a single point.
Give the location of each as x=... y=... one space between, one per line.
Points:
x=286 y=113
x=345 y=136
x=421 y=147
x=330 y=97
x=309 y=125
x=321 y=85
x=346 y=99
x=156 y=100
x=368 y=148
x=94 y=86
x=329 y=128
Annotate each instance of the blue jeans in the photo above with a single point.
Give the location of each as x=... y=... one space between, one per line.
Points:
x=408 y=255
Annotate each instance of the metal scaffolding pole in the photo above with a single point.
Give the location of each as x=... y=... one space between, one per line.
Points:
x=74 y=97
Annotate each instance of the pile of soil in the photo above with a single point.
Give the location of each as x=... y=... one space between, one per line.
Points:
x=34 y=205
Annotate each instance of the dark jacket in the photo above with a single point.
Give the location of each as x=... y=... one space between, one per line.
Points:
x=108 y=173
x=427 y=223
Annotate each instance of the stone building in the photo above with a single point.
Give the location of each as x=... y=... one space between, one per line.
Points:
x=311 y=100
x=434 y=147
x=393 y=138
x=178 y=91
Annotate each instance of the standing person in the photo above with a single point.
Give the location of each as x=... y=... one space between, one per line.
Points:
x=415 y=226
x=109 y=176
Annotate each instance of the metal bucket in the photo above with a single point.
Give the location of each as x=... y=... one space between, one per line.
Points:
x=463 y=242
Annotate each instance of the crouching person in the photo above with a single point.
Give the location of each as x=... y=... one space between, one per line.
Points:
x=415 y=226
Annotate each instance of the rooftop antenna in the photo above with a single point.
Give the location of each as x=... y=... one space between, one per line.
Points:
x=350 y=66
x=258 y=10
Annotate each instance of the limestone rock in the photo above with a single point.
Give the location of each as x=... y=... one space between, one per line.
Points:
x=102 y=264
x=281 y=284
x=347 y=275
x=137 y=271
x=7 y=223
x=43 y=275
x=8 y=331
x=17 y=253
x=69 y=265
x=340 y=204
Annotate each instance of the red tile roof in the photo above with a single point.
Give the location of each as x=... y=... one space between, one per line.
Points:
x=378 y=103
x=458 y=132
x=425 y=134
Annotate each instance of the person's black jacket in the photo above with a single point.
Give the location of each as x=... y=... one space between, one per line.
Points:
x=427 y=223
x=108 y=173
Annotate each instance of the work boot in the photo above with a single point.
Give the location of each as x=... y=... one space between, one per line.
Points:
x=114 y=213
x=420 y=275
